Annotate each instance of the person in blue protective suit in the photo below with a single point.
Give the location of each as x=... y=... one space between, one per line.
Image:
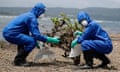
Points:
x=95 y=42
x=24 y=32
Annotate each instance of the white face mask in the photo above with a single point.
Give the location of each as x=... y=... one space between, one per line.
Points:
x=42 y=15
x=84 y=23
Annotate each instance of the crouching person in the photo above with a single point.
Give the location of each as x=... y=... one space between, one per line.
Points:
x=24 y=32
x=95 y=42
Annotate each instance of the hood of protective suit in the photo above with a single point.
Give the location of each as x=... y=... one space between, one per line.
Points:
x=38 y=9
x=83 y=15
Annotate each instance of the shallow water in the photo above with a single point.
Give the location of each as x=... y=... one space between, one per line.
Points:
x=45 y=24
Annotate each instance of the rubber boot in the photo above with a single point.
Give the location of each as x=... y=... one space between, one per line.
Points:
x=20 y=59
x=88 y=56
x=76 y=60
x=104 y=59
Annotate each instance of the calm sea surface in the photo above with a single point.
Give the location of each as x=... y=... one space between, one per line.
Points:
x=112 y=27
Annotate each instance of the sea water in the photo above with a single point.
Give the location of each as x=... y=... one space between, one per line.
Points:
x=45 y=24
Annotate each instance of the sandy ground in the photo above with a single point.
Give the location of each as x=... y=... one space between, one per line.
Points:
x=61 y=64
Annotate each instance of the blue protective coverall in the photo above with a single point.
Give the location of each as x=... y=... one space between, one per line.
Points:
x=94 y=37
x=23 y=30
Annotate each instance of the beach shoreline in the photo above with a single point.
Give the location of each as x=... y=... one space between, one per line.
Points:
x=8 y=52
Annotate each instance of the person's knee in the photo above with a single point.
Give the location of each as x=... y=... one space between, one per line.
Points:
x=33 y=44
x=85 y=46
x=30 y=45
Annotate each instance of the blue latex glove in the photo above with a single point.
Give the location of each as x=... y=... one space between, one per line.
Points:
x=77 y=33
x=53 y=40
x=74 y=42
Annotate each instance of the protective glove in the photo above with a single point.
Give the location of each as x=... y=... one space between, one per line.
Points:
x=37 y=45
x=53 y=40
x=77 y=33
x=74 y=42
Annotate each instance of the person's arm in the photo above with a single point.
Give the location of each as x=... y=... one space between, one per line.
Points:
x=38 y=36
x=33 y=27
x=89 y=31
